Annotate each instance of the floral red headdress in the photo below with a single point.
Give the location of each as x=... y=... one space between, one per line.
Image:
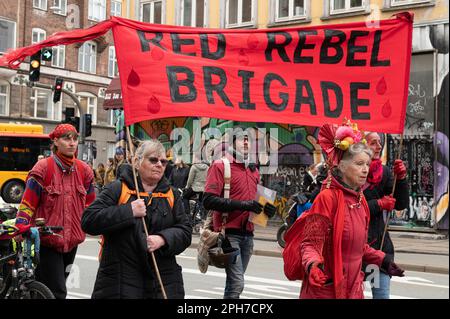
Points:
x=335 y=140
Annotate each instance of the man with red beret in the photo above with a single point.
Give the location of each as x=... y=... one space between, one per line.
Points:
x=58 y=189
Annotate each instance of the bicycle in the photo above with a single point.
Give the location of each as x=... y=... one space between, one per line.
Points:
x=17 y=265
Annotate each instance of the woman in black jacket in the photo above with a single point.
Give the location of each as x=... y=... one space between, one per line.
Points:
x=378 y=191
x=126 y=270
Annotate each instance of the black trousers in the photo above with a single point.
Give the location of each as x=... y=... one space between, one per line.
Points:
x=53 y=270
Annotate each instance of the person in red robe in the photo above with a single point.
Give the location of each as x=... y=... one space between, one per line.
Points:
x=334 y=231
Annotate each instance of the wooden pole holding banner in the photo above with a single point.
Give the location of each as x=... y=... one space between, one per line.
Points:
x=393 y=191
x=133 y=160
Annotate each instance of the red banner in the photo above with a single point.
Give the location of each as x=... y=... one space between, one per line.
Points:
x=305 y=75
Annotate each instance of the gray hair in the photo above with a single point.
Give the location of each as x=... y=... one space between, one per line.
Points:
x=149 y=147
x=356 y=149
x=353 y=150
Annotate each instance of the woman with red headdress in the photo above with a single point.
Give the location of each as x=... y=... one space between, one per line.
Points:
x=334 y=231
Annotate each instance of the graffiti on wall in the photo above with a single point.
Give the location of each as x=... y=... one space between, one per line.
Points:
x=426 y=150
x=417 y=154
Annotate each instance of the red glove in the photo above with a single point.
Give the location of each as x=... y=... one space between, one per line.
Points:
x=316 y=276
x=386 y=203
x=399 y=169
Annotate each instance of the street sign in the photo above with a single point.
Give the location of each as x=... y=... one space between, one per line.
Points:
x=46 y=54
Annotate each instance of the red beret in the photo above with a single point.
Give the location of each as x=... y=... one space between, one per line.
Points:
x=62 y=129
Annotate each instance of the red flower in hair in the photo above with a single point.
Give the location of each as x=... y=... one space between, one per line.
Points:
x=335 y=139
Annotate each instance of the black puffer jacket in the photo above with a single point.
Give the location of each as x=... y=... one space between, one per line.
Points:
x=126 y=270
x=376 y=226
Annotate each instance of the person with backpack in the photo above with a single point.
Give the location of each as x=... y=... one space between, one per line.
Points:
x=126 y=270
x=237 y=208
x=58 y=189
x=331 y=237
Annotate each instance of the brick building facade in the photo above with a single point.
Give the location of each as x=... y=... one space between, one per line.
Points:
x=87 y=68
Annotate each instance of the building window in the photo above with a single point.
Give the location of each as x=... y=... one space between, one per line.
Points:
x=87 y=58
x=344 y=6
x=287 y=10
x=97 y=10
x=7 y=35
x=4 y=98
x=110 y=150
x=240 y=13
x=37 y=35
x=40 y=4
x=59 y=7
x=59 y=56
x=395 y=3
x=152 y=12
x=43 y=106
x=113 y=69
x=112 y=117
x=89 y=103
x=116 y=8
x=193 y=13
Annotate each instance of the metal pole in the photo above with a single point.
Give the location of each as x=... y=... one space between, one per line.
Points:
x=82 y=132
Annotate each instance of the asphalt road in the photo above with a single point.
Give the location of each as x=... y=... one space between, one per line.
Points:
x=264 y=279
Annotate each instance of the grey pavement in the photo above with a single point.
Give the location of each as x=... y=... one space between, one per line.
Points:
x=413 y=251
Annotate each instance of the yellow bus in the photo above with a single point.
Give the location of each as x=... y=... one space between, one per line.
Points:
x=20 y=146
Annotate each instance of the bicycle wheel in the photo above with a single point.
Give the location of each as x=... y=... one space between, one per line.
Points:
x=35 y=290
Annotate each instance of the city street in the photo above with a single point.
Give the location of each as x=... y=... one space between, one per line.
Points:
x=264 y=279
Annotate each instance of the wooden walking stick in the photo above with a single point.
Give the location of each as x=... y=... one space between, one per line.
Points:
x=133 y=160
x=392 y=194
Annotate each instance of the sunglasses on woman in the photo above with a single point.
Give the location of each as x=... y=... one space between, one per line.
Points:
x=155 y=160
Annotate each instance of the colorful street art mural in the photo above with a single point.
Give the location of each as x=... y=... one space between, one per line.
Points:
x=295 y=146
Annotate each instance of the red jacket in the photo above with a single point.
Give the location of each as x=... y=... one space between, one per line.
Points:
x=335 y=234
x=63 y=201
x=242 y=187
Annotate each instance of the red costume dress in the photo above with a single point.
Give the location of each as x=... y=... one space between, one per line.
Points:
x=335 y=234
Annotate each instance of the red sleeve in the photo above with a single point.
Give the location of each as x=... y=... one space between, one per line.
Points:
x=214 y=179
x=317 y=229
x=373 y=256
x=89 y=186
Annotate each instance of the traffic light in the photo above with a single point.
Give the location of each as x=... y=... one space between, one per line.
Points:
x=46 y=54
x=35 y=67
x=87 y=125
x=58 y=89
x=70 y=118
x=69 y=113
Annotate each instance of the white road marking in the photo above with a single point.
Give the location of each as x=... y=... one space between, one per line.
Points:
x=410 y=280
x=219 y=293
x=86 y=257
x=273 y=289
x=247 y=278
x=195 y=297
x=77 y=294
x=259 y=294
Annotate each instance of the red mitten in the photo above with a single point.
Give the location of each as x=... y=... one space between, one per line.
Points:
x=386 y=203
x=399 y=169
x=316 y=276
x=23 y=228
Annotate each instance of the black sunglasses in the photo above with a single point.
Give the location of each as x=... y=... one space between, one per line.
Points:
x=155 y=160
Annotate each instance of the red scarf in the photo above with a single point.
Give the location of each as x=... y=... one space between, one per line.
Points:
x=375 y=173
x=66 y=160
